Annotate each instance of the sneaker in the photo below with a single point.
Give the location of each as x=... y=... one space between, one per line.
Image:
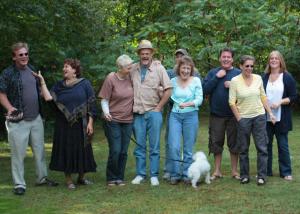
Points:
x=154 y=181
x=167 y=176
x=137 y=180
x=288 y=178
x=19 y=191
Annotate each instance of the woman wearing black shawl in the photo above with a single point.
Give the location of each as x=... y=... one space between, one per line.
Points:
x=74 y=101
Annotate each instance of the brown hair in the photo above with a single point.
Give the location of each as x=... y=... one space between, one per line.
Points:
x=18 y=46
x=281 y=59
x=185 y=60
x=75 y=64
x=226 y=49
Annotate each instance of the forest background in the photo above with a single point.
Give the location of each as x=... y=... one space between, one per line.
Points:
x=97 y=32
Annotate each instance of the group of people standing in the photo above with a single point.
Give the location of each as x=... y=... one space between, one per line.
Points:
x=132 y=100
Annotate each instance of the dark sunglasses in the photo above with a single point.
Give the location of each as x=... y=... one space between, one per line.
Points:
x=23 y=54
x=249 y=66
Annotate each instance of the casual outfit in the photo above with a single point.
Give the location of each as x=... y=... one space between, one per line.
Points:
x=283 y=87
x=171 y=73
x=249 y=103
x=22 y=91
x=119 y=93
x=72 y=151
x=147 y=122
x=221 y=119
x=183 y=123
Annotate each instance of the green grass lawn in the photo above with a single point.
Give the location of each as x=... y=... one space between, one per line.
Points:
x=222 y=196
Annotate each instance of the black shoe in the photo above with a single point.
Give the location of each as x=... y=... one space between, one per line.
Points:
x=19 y=191
x=187 y=181
x=174 y=181
x=47 y=182
x=260 y=182
x=245 y=180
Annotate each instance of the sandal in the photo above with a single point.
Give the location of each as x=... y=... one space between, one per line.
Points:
x=120 y=183
x=236 y=177
x=288 y=178
x=71 y=186
x=215 y=177
x=84 y=181
x=111 y=183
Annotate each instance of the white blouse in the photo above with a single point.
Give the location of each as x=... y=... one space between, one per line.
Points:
x=274 y=93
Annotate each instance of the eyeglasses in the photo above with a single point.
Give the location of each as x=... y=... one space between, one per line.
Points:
x=249 y=66
x=23 y=54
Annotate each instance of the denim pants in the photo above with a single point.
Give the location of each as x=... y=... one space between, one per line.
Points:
x=167 y=166
x=284 y=160
x=19 y=136
x=118 y=137
x=147 y=125
x=182 y=125
x=256 y=126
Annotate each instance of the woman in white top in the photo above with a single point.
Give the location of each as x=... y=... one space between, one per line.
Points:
x=281 y=91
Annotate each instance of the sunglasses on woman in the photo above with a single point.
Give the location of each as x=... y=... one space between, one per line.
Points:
x=23 y=54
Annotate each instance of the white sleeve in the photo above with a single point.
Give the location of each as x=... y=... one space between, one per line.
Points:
x=105 y=106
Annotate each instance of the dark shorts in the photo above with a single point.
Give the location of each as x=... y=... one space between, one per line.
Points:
x=218 y=126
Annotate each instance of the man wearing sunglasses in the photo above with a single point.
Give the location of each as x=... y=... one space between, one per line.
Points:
x=19 y=95
x=222 y=121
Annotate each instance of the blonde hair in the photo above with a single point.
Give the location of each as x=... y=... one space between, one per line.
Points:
x=18 y=46
x=123 y=61
x=281 y=59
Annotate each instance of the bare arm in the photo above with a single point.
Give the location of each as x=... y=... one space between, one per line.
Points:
x=163 y=100
x=236 y=112
x=6 y=104
x=90 y=127
x=45 y=92
x=268 y=109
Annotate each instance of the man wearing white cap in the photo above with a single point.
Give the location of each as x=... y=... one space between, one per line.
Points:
x=148 y=76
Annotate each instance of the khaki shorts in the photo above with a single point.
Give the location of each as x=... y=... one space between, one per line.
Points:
x=218 y=126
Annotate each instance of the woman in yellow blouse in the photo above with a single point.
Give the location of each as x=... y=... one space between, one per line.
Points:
x=248 y=102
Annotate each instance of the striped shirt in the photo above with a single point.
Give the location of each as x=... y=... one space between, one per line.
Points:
x=248 y=99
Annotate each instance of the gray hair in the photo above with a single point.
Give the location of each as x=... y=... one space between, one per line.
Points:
x=123 y=61
x=244 y=58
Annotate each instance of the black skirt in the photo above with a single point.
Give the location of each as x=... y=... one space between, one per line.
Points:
x=69 y=153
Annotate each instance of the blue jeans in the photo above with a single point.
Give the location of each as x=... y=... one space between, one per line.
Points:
x=167 y=166
x=118 y=137
x=182 y=125
x=148 y=124
x=284 y=160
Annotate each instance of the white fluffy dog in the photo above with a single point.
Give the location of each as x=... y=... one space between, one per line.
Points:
x=200 y=168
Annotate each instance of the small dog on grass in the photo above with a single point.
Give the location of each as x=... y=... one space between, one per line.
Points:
x=200 y=168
